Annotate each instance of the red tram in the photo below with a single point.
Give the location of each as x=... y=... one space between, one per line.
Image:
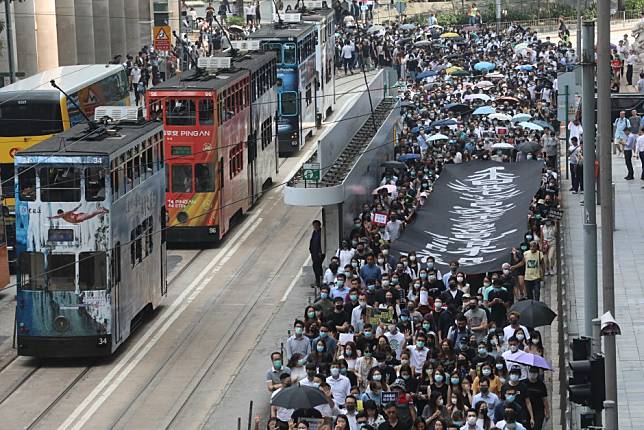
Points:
x=219 y=141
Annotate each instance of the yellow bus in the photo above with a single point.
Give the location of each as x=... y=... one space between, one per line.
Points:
x=31 y=110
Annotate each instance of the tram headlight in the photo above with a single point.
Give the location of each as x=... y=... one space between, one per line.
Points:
x=61 y=323
x=182 y=217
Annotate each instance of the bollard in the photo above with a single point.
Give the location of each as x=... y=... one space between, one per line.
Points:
x=596 y=341
x=613 y=184
x=611 y=415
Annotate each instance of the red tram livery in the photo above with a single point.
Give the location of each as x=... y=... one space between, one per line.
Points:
x=219 y=142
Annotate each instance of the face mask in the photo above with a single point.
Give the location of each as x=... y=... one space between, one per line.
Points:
x=405 y=376
x=506 y=271
x=426 y=327
x=482 y=351
x=486 y=372
x=471 y=421
x=499 y=366
x=298 y=330
x=514 y=348
x=535 y=341
x=486 y=284
x=455 y=381
x=412 y=257
x=423 y=276
x=353 y=297
x=485 y=390
x=520 y=336
x=343 y=371
x=348 y=352
x=385 y=283
x=320 y=348
x=533 y=376
x=404 y=362
x=514 y=377
x=404 y=317
x=354 y=264
x=381 y=261
x=335 y=371
x=394 y=281
x=420 y=344
x=323 y=334
x=438 y=378
x=368 y=354
x=430 y=264
x=416 y=286
x=362 y=303
x=371 y=287
x=324 y=295
x=310 y=314
x=432 y=277
x=310 y=373
x=277 y=364
x=368 y=334
x=339 y=306
x=385 y=252
x=459 y=279
x=510 y=398
x=458 y=424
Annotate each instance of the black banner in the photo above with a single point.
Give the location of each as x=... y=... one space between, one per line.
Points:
x=476 y=213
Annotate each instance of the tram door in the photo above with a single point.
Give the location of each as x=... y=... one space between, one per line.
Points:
x=116 y=293
x=252 y=167
x=164 y=283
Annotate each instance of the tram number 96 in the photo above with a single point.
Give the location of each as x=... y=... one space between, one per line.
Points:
x=102 y=341
x=212 y=230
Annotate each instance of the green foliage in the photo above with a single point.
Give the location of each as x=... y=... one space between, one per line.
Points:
x=235 y=20
x=634 y=4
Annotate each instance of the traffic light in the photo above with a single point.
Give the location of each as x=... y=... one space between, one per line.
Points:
x=586 y=386
x=580 y=348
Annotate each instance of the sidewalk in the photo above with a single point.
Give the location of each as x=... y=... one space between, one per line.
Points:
x=629 y=289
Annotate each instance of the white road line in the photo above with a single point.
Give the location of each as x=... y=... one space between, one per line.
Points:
x=295 y=279
x=126 y=364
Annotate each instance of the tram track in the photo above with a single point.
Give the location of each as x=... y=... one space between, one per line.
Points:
x=172 y=357
x=30 y=371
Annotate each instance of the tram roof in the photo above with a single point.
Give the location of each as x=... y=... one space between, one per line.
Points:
x=289 y=31
x=190 y=80
x=78 y=140
x=317 y=14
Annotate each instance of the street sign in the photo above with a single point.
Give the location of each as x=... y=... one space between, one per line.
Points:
x=162 y=38
x=311 y=171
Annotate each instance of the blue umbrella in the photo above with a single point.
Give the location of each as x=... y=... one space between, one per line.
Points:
x=415 y=130
x=524 y=67
x=444 y=122
x=407 y=157
x=425 y=74
x=484 y=65
x=484 y=110
x=408 y=27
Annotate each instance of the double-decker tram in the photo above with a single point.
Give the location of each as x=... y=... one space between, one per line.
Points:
x=218 y=121
x=90 y=220
x=295 y=46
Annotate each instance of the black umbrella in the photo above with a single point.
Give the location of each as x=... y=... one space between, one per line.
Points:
x=533 y=313
x=529 y=146
x=458 y=107
x=299 y=397
x=393 y=164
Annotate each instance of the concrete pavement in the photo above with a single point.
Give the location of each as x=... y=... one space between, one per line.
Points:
x=629 y=288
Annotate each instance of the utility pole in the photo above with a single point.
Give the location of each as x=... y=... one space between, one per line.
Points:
x=10 y=47
x=607 y=214
x=579 y=34
x=590 y=221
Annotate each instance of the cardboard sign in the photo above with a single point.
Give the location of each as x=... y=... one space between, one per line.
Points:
x=388 y=397
x=378 y=316
x=380 y=218
x=345 y=337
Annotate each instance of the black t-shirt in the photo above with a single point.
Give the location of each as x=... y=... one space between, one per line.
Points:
x=399 y=426
x=537 y=391
x=498 y=311
x=522 y=392
x=338 y=318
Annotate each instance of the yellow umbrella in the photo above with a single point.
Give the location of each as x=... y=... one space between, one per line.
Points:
x=453 y=69
x=449 y=35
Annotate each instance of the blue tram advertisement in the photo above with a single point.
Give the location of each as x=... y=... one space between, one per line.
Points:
x=90 y=238
x=295 y=47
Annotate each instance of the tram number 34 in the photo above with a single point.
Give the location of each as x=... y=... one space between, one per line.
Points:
x=102 y=341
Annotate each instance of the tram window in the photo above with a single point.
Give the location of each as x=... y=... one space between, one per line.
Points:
x=32 y=270
x=27 y=183
x=149 y=161
x=288 y=102
x=95 y=184
x=133 y=247
x=92 y=271
x=62 y=272
x=181 y=178
x=289 y=53
x=206 y=112
x=139 y=243
x=149 y=236
x=180 y=112
x=129 y=175
x=275 y=47
x=167 y=178
x=137 y=169
x=204 y=178
x=59 y=184
x=115 y=182
x=116 y=263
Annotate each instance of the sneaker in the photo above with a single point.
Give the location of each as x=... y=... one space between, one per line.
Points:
x=574 y=192
x=629 y=178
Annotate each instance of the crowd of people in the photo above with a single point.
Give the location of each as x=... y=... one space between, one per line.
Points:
x=391 y=341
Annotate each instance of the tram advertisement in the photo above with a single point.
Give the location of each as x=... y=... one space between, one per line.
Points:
x=288 y=122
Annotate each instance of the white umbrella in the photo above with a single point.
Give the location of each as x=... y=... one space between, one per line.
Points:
x=500 y=116
x=483 y=97
x=502 y=145
x=521 y=117
x=495 y=75
x=484 y=84
x=531 y=126
x=438 y=136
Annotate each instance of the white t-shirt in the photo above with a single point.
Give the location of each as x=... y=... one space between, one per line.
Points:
x=396 y=342
x=575 y=131
x=136 y=75
x=417 y=357
x=340 y=389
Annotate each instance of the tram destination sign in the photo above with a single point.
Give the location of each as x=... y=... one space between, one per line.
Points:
x=475 y=215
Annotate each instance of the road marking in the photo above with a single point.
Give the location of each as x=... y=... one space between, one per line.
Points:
x=295 y=279
x=113 y=379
